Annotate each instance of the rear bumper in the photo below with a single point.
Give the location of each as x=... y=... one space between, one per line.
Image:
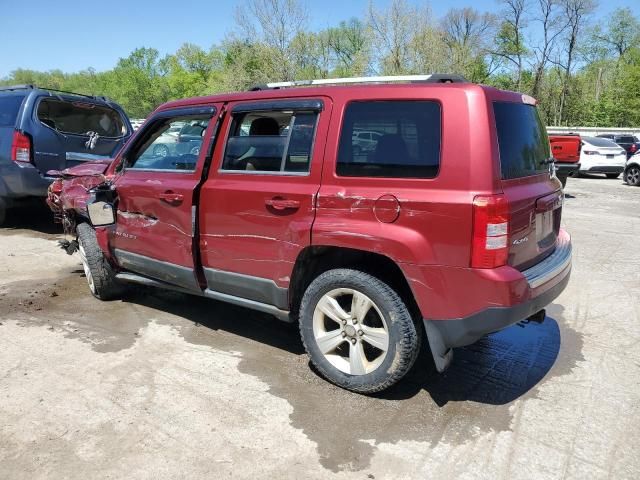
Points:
x=22 y=181
x=545 y=281
x=566 y=169
x=604 y=169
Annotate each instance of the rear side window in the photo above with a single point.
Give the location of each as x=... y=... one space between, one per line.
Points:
x=9 y=107
x=628 y=139
x=394 y=139
x=81 y=118
x=522 y=139
x=271 y=142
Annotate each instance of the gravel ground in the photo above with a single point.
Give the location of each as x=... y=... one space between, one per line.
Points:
x=163 y=385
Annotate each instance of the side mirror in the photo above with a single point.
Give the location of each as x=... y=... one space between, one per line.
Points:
x=101 y=214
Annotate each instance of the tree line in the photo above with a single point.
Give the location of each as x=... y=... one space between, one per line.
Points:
x=583 y=68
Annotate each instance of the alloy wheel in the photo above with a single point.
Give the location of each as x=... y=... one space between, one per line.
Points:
x=87 y=270
x=350 y=331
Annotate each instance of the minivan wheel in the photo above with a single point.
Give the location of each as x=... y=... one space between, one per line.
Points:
x=100 y=275
x=632 y=176
x=357 y=331
x=612 y=175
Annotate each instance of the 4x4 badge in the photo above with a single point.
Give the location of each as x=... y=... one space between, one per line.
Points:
x=521 y=240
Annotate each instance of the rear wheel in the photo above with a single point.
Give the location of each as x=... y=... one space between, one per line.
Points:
x=632 y=176
x=612 y=175
x=357 y=331
x=100 y=276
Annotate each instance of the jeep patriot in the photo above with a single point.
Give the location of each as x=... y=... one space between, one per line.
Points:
x=445 y=228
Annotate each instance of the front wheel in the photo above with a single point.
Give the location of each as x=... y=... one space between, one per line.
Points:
x=357 y=331
x=100 y=276
x=612 y=175
x=632 y=176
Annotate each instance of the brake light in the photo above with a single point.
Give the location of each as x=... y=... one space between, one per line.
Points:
x=633 y=148
x=589 y=152
x=490 y=241
x=21 y=148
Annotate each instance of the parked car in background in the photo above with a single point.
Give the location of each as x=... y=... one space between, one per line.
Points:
x=43 y=129
x=365 y=140
x=180 y=138
x=566 y=151
x=631 y=173
x=282 y=213
x=629 y=142
x=600 y=155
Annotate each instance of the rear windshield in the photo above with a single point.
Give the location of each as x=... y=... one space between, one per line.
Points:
x=522 y=139
x=81 y=118
x=9 y=107
x=600 y=142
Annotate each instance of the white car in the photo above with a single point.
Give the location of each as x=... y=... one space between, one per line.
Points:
x=632 y=171
x=599 y=155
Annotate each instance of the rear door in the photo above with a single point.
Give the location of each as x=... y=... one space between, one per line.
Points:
x=534 y=194
x=258 y=205
x=155 y=228
x=70 y=130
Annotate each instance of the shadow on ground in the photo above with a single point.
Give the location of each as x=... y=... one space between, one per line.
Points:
x=472 y=398
x=33 y=217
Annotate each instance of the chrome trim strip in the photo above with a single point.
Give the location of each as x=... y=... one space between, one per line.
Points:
x=553 y=265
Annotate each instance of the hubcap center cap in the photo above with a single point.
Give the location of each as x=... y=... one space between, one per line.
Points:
x=350 y=330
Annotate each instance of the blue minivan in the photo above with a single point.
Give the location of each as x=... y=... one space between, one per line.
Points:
x=43 y=129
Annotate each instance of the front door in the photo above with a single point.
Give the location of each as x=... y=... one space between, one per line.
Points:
x=260 y=196
x=155 y=226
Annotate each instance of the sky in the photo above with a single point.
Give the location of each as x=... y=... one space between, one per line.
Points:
x=74 y=35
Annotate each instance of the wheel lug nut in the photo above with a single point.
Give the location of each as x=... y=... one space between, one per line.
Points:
x=344 y=322
x=344 y=334
x=360 y=332
x=353 y=341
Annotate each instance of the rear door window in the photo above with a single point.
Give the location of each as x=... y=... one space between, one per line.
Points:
x=394 y=139
x=522 y=139
x=9 y=108
x=271 y=141
x=627 y=139
x=81 y=118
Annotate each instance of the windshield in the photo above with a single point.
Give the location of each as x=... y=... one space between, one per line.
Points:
x=9 y=107
x=81 y=118
x=522 y=139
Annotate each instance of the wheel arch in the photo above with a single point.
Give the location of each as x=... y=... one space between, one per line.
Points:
x=317 y=259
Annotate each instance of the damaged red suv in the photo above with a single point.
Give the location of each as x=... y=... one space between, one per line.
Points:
x=445 y=226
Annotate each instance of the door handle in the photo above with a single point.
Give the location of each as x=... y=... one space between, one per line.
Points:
x=279 y=203
x=171 y=198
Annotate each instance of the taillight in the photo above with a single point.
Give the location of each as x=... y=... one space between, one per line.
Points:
x=490 y=242
x=589 y=152
x=21 y=148
x=633 y=148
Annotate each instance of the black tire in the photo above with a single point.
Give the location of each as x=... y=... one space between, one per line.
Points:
x=100 y=274
x=612 y=175
x=632 y=176
x=563 y=180
x=3 y=212
x=404 y=337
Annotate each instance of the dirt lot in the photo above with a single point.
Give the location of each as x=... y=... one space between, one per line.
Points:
x=162 y=385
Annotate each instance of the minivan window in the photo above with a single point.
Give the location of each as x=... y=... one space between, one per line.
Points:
x=9 y=107
x=80 y=118
x=522 y=140
x=271 y=141
x=401 y=139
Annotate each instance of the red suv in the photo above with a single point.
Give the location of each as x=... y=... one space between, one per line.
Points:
x=449 y=226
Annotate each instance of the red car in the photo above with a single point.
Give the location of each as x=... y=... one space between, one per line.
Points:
x=447 y=229
x=566 y=151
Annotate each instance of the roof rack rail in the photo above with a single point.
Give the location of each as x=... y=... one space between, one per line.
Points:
x=33 y=87
x=432 y=78
x=17 y=87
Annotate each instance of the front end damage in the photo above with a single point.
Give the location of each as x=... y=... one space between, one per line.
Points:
x=69 y=194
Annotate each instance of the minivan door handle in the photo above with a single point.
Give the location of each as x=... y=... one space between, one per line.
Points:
x=171 y=198
x=280 y=203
